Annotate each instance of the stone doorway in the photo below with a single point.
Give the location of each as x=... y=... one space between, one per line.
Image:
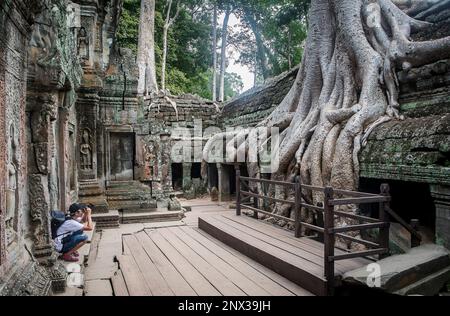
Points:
x=122 y=156
x=177 y=176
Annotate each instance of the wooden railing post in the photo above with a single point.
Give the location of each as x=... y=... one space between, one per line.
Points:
x=298 y=207
x=238 y=191
x=384 y=217
x=256 y=204
x=329 y=239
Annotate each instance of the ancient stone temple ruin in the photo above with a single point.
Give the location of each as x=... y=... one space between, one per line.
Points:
x=73 y=128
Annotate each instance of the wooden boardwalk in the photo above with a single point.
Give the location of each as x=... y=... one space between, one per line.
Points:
x=185 y=261
x=300 y=260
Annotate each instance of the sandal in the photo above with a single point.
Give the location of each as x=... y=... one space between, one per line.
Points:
x=69 y=258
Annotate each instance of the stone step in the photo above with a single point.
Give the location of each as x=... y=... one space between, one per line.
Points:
x=128 y=186
x=138 y=210
x=114 y=184
x=107 y=220
x=429 y=286
x=128 y=196
x=418 y=268
x=150 y=217
x=131 y=201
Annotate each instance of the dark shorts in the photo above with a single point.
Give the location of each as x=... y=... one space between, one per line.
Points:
x=73 y=240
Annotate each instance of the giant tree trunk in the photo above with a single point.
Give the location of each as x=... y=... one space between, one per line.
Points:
x=146 y=49
x=214 y=52
x=223 y=57
x=346 y=85
x=168 y=23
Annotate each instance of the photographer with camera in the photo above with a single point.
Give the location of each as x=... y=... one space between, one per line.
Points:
x=70 y=235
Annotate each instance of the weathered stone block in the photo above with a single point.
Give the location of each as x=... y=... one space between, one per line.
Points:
x=399 y=272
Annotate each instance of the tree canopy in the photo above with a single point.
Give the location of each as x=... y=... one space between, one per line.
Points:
x=269 y=40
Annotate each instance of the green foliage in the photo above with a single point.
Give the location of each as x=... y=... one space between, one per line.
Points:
x=282 y=26
x=280 y=23
x=128 y=30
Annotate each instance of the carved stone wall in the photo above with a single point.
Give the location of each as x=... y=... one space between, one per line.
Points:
x=47 y=143
x=54 y=75
x=179 y=125
x=256 y=104
x=16 y=18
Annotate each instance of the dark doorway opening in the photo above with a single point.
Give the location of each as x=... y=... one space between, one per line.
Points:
x=122 y=156
x=213 y=176
x=410 y=200
x=177 y=176
x=196 y=171
x=231 y=175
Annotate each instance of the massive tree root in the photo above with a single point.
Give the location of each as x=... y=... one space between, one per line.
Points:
x=346 y=86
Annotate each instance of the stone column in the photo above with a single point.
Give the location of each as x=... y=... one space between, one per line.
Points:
x=63 y=159
x=219 y=174
x=166 y=170
x=224 y=183
x=87 y=105
x=88 y=43
x=2 y=152
x=90 y=156
x=43 y=109
x=441 y=198
x=187 y=177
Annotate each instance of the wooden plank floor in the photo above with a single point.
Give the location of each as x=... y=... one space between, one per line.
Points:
x=183 y=261
x=298 y=259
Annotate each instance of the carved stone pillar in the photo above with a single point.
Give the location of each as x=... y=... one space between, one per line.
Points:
x=2 y=156
x=87 y=44
x=166 y=175
x=220 y=188
x=43 y=113
x=64 y=159
x=187 y=179
x=90 y=164
x=43 y=109
x=441 y=198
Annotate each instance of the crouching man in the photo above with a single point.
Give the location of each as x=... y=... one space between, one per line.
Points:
x=71 y=236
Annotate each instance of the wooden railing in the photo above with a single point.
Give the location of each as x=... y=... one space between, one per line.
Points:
x=331 y=198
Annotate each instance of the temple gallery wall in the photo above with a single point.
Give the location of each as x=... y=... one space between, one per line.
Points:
x=73 y=128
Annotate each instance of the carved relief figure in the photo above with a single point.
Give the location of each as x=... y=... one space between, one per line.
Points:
x=150 y=161
x=83 y=45
x=11 y=188
x=86 y=151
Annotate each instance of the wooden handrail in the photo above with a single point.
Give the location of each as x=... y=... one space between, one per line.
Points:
x=283 y=183
x=359 y=254
x=357 y=217
x=360 y=200
x=312 y=207
x=358 y=240
x=354 y=193
x=330 y=231
x=407 y=226
x=352 y=228
x=251 y=208
x=266 y=197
